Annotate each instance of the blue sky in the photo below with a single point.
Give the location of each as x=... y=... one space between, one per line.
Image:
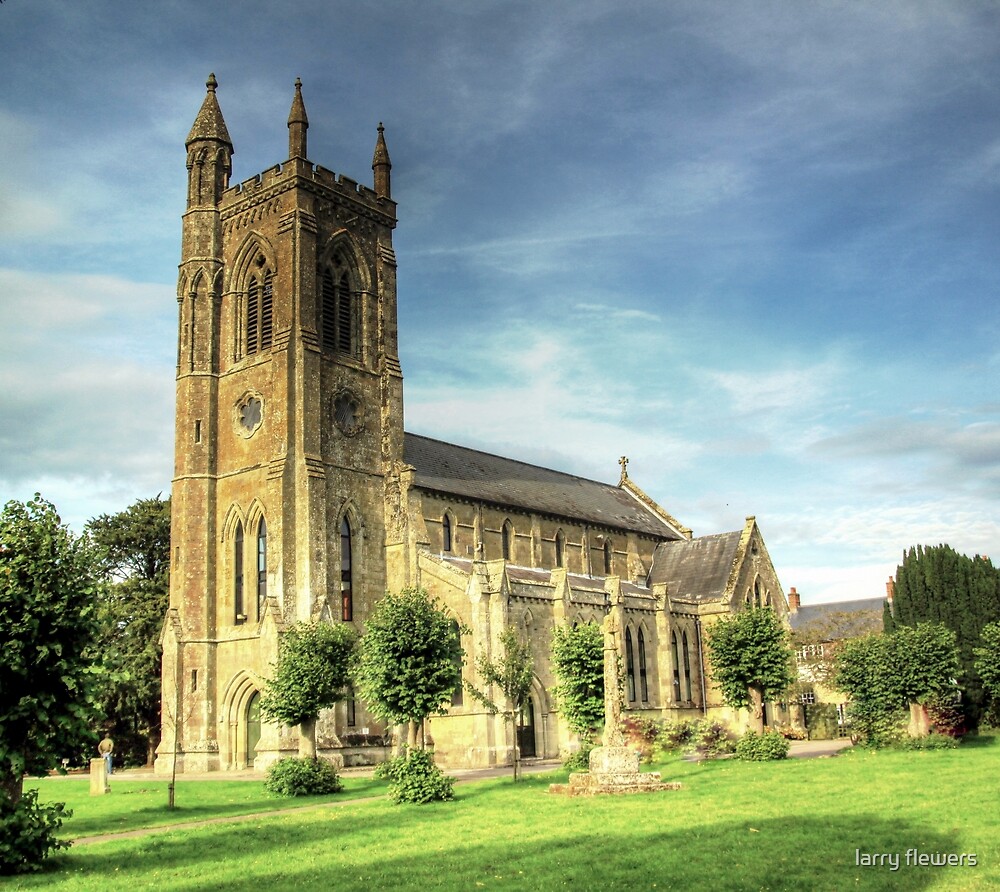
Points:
x=754 y=247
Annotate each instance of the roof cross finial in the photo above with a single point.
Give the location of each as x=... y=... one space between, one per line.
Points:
x=623 y=461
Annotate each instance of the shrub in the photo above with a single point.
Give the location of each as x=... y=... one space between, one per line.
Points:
x=302 y=777
x=641 y=735
x=946 y=716
x=27 y=832
x=932 y=741
x=754 y=747
x=579 y=760
x=415 y=778
x=706 y=738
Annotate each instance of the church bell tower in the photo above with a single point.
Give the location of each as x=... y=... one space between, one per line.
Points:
x=289 y=419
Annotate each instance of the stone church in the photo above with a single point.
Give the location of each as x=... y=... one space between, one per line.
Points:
x=298 y=495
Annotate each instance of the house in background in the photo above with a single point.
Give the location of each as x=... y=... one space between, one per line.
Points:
x=817 y=631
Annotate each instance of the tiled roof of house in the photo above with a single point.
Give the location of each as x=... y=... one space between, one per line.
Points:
x=696 y=568
x=479 y=476
x=840 y=619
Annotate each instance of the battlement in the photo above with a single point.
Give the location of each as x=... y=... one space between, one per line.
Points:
x=281 y=174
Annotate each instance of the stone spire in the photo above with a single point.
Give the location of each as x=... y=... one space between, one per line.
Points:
x=381 y=165
x=298 y=124
x=209 y=125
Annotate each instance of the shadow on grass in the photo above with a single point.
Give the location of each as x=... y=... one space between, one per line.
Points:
x=581 y=844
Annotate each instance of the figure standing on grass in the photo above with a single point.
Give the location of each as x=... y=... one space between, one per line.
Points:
x=104 y=750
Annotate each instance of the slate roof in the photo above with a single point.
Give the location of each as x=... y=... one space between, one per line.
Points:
x=479 y=476
x=695 y=568
x=840 y=619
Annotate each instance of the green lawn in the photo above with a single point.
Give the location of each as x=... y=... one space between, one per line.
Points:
x=733 y=826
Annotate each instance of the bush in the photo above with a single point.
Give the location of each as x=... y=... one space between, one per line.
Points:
x=932 y=741
x=302 y=777
x=579 y=760
x=27 y=832
x=415 y=778
x=641 y=735
x=706 y=738
x=754 y=747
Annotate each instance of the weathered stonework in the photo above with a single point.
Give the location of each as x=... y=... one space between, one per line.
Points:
x=289 y=432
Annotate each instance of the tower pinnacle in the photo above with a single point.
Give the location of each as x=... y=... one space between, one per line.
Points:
x=381 y=164
x=298 y=124
x=210 y=124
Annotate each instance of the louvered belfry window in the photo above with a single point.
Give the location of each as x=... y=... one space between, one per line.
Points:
x=338 y=312
x=260 y=313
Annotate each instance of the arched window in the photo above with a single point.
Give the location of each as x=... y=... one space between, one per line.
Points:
x=507 y=540
x=677 y=666
x=643 y=683
x=239 y=608
x=260 y=311
x=629 y=665
x=261 y=566
x=608 y=553
x=756 y=593
x=687 y=666
x=346 y=592
x=458 y=695
x=339 y=311
x=560 y=549
x=446 y=533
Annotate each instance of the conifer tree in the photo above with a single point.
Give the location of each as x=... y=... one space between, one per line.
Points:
x=937 y=584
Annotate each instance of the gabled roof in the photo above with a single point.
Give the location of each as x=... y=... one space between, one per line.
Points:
x=698 y=569
x=840 y=619
x=479 y=476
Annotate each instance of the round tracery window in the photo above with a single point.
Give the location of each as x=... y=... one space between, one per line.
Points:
x=249 y=414
x=348 y=413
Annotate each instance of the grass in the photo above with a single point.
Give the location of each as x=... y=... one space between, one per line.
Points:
x=734 y=826
x=139 y=804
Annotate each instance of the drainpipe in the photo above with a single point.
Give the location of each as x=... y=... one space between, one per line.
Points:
x=701 y=667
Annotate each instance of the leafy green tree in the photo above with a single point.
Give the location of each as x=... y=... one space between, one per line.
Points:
x=883 y=674
x=409 y=660
x=936 y=584
x=511 y=675
x=988 y=660
x=134 y=546
x=311 y=674
x=751 y=660
x=578 y=660
x=47 y=628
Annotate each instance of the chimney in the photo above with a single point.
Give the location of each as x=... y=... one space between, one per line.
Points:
x=794 y=601
x=890 y=589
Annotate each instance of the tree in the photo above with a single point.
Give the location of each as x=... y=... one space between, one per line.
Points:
x=134 y=546
x=511 y=674
x=311 y=674
x=409 y=660
x=936 y=584
x=47 y=628
x=578 y=661
x=988 y=660
x=751 y=660
x=883 y=674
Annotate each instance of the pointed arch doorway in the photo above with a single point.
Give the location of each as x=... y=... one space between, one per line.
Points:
x=526 y=730
x=253 y=728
